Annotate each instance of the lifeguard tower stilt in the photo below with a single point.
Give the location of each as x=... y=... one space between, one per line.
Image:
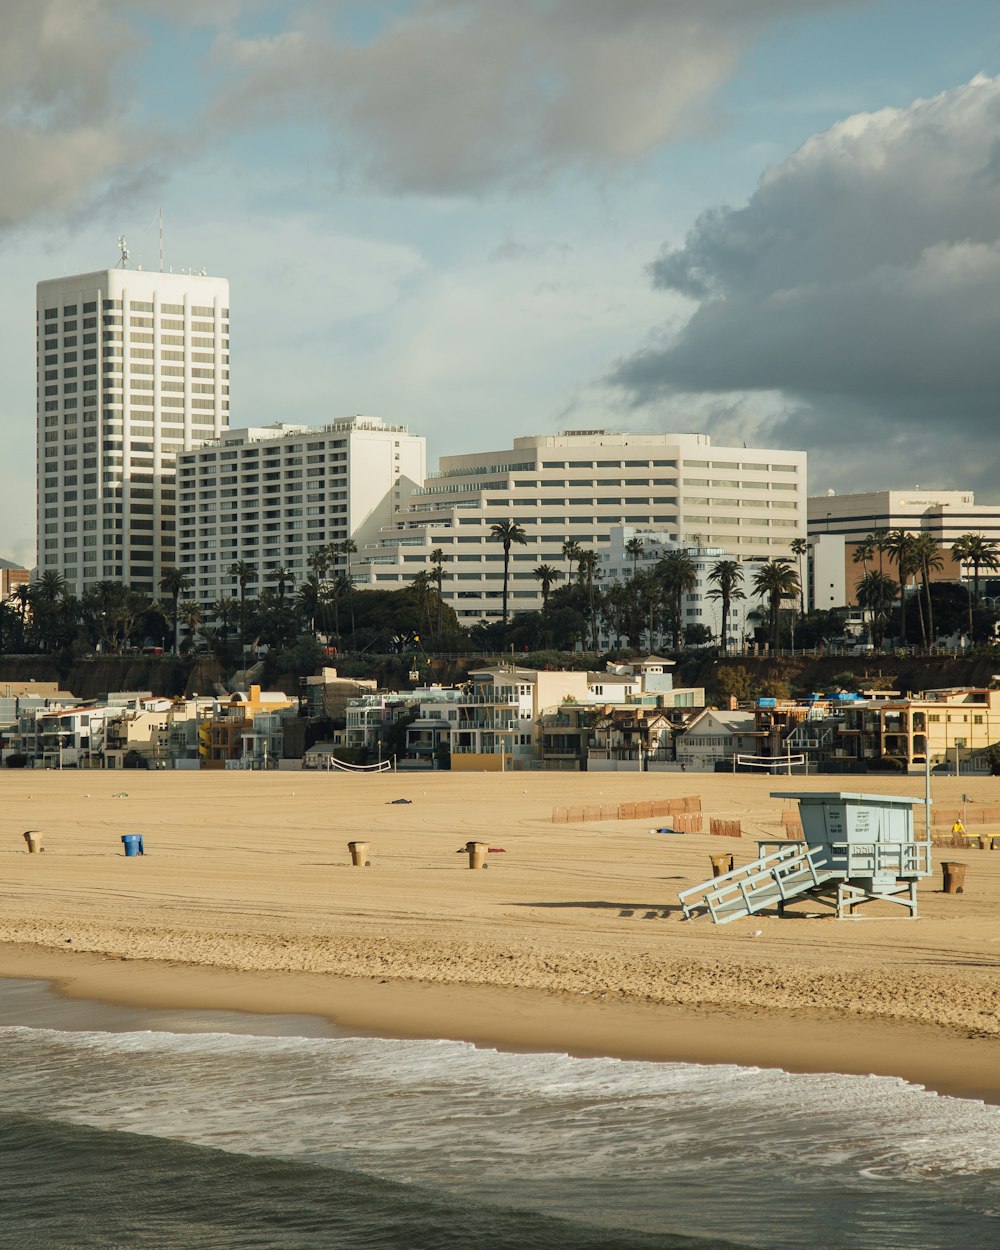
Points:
x=856 y=849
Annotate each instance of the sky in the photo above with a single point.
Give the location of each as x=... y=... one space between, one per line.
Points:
x=773 y=221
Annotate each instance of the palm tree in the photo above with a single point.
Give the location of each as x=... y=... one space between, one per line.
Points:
x=775 y=581
x=422 y=582
x=507 y=532
x=173 y=582
x=192 y=616
x=927 y=553
x=863 y=552
x=344 y=550
x=877 y=593
x=587 y=564
x=570 y=553
x=799 y=548
x=546 y=574
x=678 y=576
x=634 y=548
x=728 y=578
x=310 y=600
x=224 y=610
x=982 y=553
x=244 y=573
x=282 y=575
x=437 y=559
x=899 y=547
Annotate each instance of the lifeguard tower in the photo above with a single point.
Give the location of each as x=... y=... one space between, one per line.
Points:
x=856 y=849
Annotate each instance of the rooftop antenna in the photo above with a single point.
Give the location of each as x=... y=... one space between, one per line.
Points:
x=123 y=248
x=161 y=238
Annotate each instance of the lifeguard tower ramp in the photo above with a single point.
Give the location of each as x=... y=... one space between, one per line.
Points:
x=856 y=849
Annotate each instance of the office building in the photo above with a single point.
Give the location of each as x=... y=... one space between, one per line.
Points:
x=270 y=496
x=133 y=367
x=576 y=486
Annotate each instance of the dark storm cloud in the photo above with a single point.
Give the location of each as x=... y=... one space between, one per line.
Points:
x=859 y=285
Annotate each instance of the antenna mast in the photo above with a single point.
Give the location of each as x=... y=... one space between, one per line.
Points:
x=161 y=238
x=123 y=248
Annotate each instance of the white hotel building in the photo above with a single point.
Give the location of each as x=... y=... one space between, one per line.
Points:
x=578 y=485
x=269 y=496
x=133 y=367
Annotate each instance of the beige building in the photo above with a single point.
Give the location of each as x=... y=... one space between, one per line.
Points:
x=133 y=367
x=270 y=496
x=578 y=485
x=957 y=726
x=945 y=514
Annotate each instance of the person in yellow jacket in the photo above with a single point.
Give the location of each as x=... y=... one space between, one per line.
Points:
x=958 y=829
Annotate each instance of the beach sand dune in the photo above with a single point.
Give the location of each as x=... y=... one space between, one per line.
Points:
x=573 y=937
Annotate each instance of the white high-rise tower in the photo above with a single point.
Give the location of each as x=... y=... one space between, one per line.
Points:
x=133 y=367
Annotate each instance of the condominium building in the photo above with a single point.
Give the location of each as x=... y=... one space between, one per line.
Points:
x=133 y=367
x=577 y=485
x=270 y=496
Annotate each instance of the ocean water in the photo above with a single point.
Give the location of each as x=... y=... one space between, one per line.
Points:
x=181 y=1131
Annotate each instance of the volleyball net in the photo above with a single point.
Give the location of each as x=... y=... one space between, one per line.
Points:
x=769 y=763
x=383 y=766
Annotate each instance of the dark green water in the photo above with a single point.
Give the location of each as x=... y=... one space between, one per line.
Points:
x=65 y=1187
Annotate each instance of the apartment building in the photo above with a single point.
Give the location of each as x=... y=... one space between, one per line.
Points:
x=578 y=485
x=11 y=576
x=269 y=496
x=132 y=368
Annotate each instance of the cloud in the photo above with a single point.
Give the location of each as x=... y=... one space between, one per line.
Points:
x=858 y=287
x=457 y=96
x=59 y=127
x=68 y=82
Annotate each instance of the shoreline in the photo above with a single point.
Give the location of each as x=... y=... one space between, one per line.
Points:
x=938 y=1058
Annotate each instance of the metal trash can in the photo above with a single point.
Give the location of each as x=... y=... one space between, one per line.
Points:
x=132 y=843
x=721 y=864
x=34 y=837
x=954 y=877
x=359 y=853
x=477 y=854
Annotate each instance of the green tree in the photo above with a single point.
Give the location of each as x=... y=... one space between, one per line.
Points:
x=876 y=594
x=587 y=565
x=192 y=615
x=174 y=582
x=727 y=575
x=775 y=581
x=982 y=553
x=634 y=549
x=244 y=574
x=678 y=577
x=899 y=547
x=437 y=559
x=282 y=575
x=928 y=556
x=570 y=553
x=507 y=533
x=545 y=574
x=800 y=548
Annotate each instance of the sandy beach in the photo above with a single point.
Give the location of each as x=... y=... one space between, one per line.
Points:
x=572 y=940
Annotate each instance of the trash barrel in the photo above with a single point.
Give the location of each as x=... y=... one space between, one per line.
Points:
x=132 y=843
x=359 y=853
x=34 y=837
x=477 y=854
x=954 y=877
x=721 y=864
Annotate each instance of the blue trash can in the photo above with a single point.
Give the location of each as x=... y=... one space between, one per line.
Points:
x=133 y=844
